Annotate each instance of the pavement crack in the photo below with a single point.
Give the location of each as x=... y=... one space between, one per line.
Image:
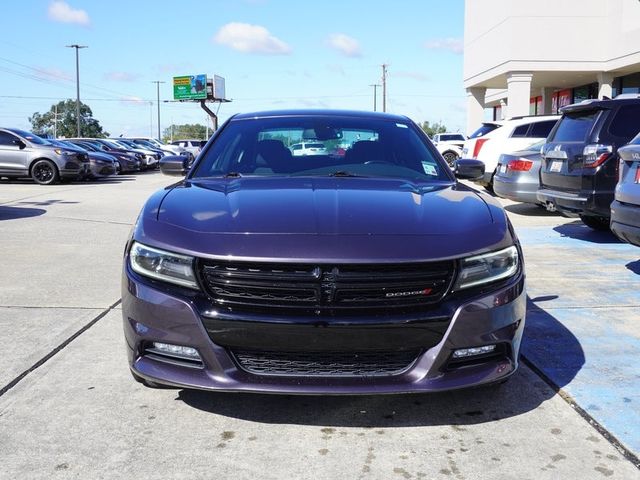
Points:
x=59 y=348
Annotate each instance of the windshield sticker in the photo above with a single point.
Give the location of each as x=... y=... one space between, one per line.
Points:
x=401 y=125
x=429 y=169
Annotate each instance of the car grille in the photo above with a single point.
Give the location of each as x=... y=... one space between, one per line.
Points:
x=325 y=364
x=322 y=288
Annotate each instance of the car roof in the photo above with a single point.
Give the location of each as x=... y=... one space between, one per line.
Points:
x=604 y=104
x=319 y=113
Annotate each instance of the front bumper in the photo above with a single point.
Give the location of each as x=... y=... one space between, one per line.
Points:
x=152 y=313
x=625 y=222
x=101 y=170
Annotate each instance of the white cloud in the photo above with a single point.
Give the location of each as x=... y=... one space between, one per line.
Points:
x=55 y=72
x=60 y=11
x=120 y=76
x=132 y=100
x=421 y=77
x=344 y=44
x=247 y=38
x=453 y=45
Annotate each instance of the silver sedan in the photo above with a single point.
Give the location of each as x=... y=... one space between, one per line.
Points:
x=517 y=176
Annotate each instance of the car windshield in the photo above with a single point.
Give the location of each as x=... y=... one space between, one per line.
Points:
x=575 y=126
x=30 y=136
x=113 y=144
x=484 y=129
x=452 y=138
x=351 y=147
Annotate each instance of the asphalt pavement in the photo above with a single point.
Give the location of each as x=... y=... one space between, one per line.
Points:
x=69 y=408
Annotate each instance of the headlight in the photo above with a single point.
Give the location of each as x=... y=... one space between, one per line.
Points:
x=60 y=151
x=167 y=266
x=487 y=268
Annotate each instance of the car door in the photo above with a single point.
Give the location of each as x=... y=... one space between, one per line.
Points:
x=13 y=154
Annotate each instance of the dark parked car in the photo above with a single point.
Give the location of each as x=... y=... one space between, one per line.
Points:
x=100 y=164
x=625 y=209
x=129 y=161
x=580 y=159
x=24 y=154
x=368 y=272
x=517 y=176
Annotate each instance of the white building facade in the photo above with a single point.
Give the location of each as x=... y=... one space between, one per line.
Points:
x=530 y=58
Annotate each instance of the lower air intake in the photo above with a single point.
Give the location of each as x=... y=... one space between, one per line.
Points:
x=325 y=364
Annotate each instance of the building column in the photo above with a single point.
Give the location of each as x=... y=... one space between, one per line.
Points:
x=605 y=85
x=518 y=93
x=475 y=108
x=547 y=100
x=504 y=109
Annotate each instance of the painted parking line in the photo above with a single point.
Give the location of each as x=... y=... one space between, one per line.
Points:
x=583 y=321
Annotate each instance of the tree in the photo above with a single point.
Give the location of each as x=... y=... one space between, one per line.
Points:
x=187 y=131
x=45 y=123
x=431 y=130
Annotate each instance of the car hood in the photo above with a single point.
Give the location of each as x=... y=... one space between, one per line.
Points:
x=323 y=217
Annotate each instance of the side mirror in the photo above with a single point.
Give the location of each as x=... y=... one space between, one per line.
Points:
x=175 y=165
x=20 y=144
x=468 y=169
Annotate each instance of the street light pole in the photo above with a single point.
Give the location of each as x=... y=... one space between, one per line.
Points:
x=158 y=82
x=77 y=47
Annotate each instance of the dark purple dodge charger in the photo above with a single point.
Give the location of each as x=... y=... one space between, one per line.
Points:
x=361 y=267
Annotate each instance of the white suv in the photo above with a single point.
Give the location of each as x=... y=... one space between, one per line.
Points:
x=308 y=148
x=449 y=145
x=514 y=134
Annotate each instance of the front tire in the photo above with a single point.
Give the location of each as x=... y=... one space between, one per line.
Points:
x=45 y=172
x=600 y=224
x=450 y=157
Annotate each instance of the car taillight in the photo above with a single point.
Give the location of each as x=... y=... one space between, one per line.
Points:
x=596 y=154
x=637 y=179
x=520 y=165
x=479 y=143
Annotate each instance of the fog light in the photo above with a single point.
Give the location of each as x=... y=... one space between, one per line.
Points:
x=177 y=350
x=470 y=352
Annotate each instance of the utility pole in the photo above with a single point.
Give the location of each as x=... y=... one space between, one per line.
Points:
x=384 y=87
x=158 y=82
x=55 y=121
x=77 y=47
x=375 y=95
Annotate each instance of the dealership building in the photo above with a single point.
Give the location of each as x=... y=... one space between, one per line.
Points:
x=531 y=58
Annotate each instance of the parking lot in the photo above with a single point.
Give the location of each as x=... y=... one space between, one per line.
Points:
x=70 y=409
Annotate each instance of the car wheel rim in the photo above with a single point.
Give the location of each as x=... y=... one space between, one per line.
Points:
x=43 y=172
x=450 y=158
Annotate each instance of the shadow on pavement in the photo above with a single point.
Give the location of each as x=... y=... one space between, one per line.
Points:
x=529 y=210
x=580 y=231
x=13 y=213
x=548 y=344
x=48 y=203
x=634 y=267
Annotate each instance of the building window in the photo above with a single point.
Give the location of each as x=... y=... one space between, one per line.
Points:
x=560 y=99
x=535 y=106
x=631 y=83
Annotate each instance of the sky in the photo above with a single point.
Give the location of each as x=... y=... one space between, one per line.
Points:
x=273 y=54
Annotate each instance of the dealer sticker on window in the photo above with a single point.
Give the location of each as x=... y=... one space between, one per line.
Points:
x=429 y=169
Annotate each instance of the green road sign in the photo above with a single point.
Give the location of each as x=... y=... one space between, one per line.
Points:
x=190 y=87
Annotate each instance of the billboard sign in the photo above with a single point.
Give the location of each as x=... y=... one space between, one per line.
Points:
x=190 y=87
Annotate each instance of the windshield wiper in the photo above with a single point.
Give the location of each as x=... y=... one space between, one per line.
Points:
x=343 y=173
x=232 y=175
